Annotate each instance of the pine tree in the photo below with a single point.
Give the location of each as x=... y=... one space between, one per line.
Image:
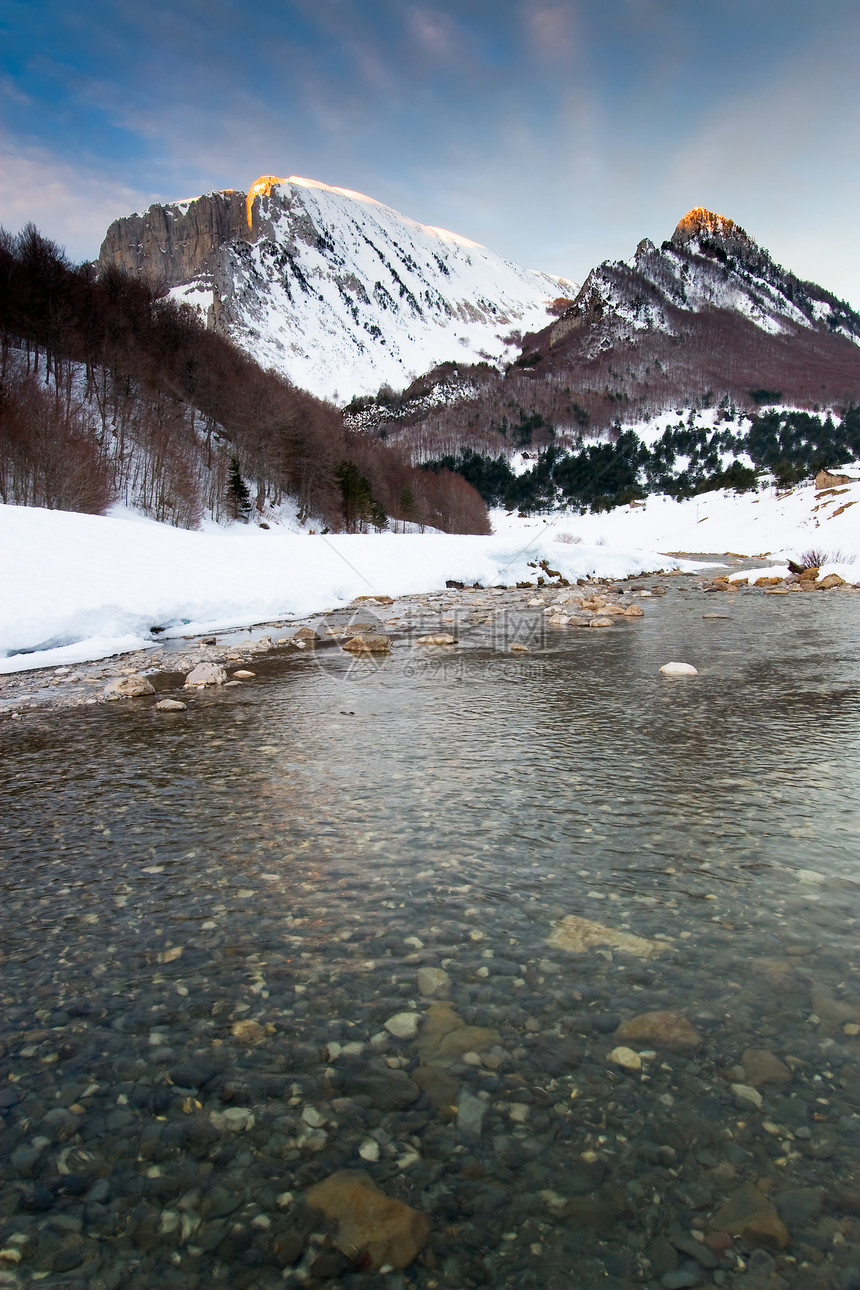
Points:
x=360 y=507
x=238 y=493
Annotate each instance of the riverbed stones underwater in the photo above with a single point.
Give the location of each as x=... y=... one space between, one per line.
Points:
x=182 y=1075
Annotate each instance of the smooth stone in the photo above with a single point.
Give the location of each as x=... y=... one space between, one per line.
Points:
x=666 y=1029
x=662 y=1256
x=679 y=669
x=762 y=1067
x=681 y=1279
x=387 y=1090
x=777 y=974
x=403 y=1025
x=372 y=1228
x=470 y=1113
x=59 y=1124
x=834 y=1010
x=745 y=1096
x=433 y=983
x=128 y=687
x=586 y=1211
x=799 y=1206
x=627 y=1058
x=206 y=674
x=558 y=1054
x=694 y=1249
x=170 y=705
x=445 y=1037
x=243 y=674
x=235 y=1119
x=579 y=935
x=749 y=1213
x=24 y=1158
x=440 y=1087
x=441 y=638
x=248 y=1032
x=192 y=1074
x=368 y=643
x=313 y=1117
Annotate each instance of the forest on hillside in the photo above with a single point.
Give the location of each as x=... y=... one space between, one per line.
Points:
x=109 y=392
x=598 y=377
x=686 y=460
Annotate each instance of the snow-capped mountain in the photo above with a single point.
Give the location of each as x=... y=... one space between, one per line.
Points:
x=710 y=263
x=334 y=289
x=706 y=319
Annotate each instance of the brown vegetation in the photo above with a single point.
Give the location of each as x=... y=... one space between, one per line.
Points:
x=108 y=391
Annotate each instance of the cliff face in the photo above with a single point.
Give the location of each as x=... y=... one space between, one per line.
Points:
x=337 y=291
x=179 y=243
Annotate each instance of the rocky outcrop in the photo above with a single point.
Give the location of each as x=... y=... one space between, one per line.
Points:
x=179 y=243
x=705 y=233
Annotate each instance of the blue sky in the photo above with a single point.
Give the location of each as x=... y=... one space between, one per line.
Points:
x=557 y=132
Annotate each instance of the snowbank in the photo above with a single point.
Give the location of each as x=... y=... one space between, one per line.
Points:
x=768 y=523
x=78 y=587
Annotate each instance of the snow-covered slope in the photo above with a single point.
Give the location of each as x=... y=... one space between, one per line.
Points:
x=337 y=291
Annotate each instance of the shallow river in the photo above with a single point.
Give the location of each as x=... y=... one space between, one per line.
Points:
x=209 y=916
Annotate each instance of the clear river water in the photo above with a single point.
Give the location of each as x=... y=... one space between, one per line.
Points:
x=208 y=918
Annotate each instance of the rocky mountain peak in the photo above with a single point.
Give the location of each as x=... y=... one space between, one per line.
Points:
x=261 y=187
x=707 y=233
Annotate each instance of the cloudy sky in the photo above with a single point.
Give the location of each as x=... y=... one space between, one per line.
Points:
x=557 y=132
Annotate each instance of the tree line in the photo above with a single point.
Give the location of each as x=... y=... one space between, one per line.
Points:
x=687 y=459
x=109 y=392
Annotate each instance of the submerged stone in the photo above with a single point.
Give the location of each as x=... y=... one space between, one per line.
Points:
x=579 y=935
x=627 y=1058
x=669 y=1030
x=433 y=982
x=372 y=1229
x=750 y=1214
x=762 y=1067
x=445 y=1037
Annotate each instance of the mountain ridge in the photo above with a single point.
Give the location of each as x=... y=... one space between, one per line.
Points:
x=334 y=289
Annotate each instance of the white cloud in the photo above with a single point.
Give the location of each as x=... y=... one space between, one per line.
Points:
x=71 y=204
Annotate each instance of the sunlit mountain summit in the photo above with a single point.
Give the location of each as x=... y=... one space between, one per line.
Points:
x=336 y=290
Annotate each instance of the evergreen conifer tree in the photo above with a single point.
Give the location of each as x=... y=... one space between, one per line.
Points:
x=238 y=493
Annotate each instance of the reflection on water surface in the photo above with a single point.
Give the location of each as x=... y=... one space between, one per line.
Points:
x=210 y=917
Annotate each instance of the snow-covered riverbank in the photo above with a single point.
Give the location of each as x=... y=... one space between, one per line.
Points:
x=78 y=587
